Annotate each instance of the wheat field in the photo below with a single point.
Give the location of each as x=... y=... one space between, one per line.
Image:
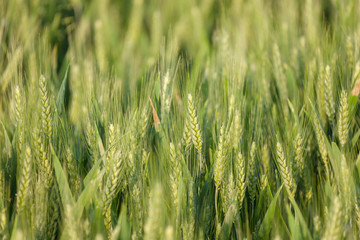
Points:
x=188 y=119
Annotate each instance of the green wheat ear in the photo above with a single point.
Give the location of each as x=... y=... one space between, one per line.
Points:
x=286 y=175
x=240 y=178
x=321 y=143
x=18 y=106
x=252 y=173
x=329 y=98
x=19 y=112
x=195 y=130
x=220 y=161
x=153 y=226
x=24 y=185
x=174 y=175
x=46 y=118
x=299 y=158
x=114 y=179
x=343 y=119
x=334 y=223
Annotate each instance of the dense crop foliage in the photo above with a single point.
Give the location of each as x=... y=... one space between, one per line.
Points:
x=204 y=119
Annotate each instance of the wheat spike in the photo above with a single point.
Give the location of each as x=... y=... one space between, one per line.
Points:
x=240 y=178
x=252 y=173
x=195 y=130
x=46 y=118
x=18 y=106
x=334 y=223
x=110 y=190
x=153 y=224
x=284 y=171
x=74 y=179
x=174 y=176
x=343 y=118
x=23 y=191
x=321 y=142
x=220 y=161
x=91 y=142
x=299 y=159
x=329 y=98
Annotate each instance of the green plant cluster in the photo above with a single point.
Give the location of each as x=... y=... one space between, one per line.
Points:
x=206 y=119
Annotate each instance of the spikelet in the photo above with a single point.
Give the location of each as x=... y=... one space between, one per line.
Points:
x=18 y=106
x=165 y=95
x=230 y=195
x=153 y=223
x=343 y=118
x=187 y=138
x=299 y=158
x=334 y=224
x=220 y=161
x=237 y=130
x=53 y=214
x=111 y=149
x=19 y=120
x=195 y=130
x=40 y=209
x=329 y=98
x=321 y=142
x=144 y=162
x=137 y=211
x=23 y=191
x=263 y=182
x=308 y=188
x=86 y=229
x=72 y=232
x=317 y=226
x=74 y=179
x=320 y=98
x=190 y=228
x=284 y=171
x=240 y=178
x=174 y=176
x=144 y=123
x=132 y=152
x=46 y=118
x=3 y=223
x=252 y=173
x=110 y=190
x=357 y=214
x=91 y=143
x=44 y=165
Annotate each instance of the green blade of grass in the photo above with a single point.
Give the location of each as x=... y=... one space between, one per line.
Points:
x=65 y=193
